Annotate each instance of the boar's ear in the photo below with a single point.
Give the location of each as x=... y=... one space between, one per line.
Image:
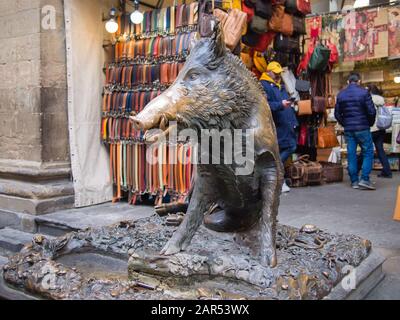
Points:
x=219 y=42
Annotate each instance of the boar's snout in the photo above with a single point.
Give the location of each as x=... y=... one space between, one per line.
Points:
x=138 y=124
x=157 y=113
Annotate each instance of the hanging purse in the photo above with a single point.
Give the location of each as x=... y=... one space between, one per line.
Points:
x=318 y=104
x=327 y=138
x=263 y=9
x=299 y=25
x=206 y=18
x=233 y=28
x=303 y=85
x=259 y=25
x=320 y=58
x=302 y=141
x=298 y=7
x=281 y=21
x=304 y=107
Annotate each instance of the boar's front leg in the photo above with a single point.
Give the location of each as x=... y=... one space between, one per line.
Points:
x=271 y=186
x=199 y=204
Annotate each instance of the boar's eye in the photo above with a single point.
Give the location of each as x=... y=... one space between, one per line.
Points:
x=194 y=76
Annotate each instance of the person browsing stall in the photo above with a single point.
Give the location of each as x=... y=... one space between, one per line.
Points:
x=355 y=112
x=283 y=111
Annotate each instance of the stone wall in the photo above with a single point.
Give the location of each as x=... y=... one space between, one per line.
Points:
x=33 y=93
x=34 y=143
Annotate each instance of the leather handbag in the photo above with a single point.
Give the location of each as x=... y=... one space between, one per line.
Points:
x=286 y=44
x=332 y=172
x=233 y=28
x=302 y=141
x=281 y=21
x=259 y=25
x=299 y=25
x=303 y=85
x=233 y=24
x=327 y=138
x=304 y=107
x=263 y=9
x=319 y=59
x=304 y=172
x=221 y=16
x=206 y=18
x=318 y=104
x=248 y=10
x=298 y=7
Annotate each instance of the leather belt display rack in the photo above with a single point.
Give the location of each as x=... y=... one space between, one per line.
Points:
x=147 y=59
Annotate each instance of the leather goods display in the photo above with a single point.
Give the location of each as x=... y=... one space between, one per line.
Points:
x=286 y=44
x=319 y=104
x=147 y=61
x=298 y=7
x=259 y=25
x=299 y=25
x=320 y=58
x=233 y=27
x=302 y=140
x=206 y=18
x=259 y=42
x=248 y=10
x=303 y=85
x=327 y=138
x=330 y=98
x=281 y=21
x=304 y=172
x=263 y=9
x=332 y=172
x=304 y=107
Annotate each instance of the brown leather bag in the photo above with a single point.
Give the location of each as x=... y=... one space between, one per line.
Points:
x=327 y=138
x=304 y=172
x=233 y=27
x=281 y=21
x=319 y=104
x=304 y=107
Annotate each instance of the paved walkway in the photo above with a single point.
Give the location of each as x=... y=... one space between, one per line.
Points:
x=338 y=208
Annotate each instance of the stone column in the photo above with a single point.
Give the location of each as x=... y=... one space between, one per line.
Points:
x=34 y=144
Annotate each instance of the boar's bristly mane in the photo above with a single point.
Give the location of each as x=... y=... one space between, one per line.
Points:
x=229 y=97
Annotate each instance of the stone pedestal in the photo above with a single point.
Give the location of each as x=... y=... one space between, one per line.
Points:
x=35 y=168
x=123 y=262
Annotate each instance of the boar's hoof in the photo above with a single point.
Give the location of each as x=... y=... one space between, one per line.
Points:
x=220 y=221
x=170 y=249
x=269 y=259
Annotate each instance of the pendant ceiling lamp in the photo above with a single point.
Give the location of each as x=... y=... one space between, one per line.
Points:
x=136 y=16
x=112 y=25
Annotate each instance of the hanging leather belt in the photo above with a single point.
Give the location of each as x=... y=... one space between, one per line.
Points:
x=144 y=65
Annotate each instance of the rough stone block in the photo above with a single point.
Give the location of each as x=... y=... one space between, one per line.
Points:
x=22 y=5
x=7 y=101
x=8 y=50
x=28 y=73
x=28 y=47
x=14 y=240
x=25 y=22
x=53 y=47
x=28 y=100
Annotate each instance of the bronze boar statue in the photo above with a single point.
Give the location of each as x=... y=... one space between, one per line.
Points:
x=215 y=91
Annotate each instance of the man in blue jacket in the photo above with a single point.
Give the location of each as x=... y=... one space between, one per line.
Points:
x=282 y=111
x=355 y=111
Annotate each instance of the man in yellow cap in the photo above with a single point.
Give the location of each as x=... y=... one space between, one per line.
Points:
x=282 y=110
